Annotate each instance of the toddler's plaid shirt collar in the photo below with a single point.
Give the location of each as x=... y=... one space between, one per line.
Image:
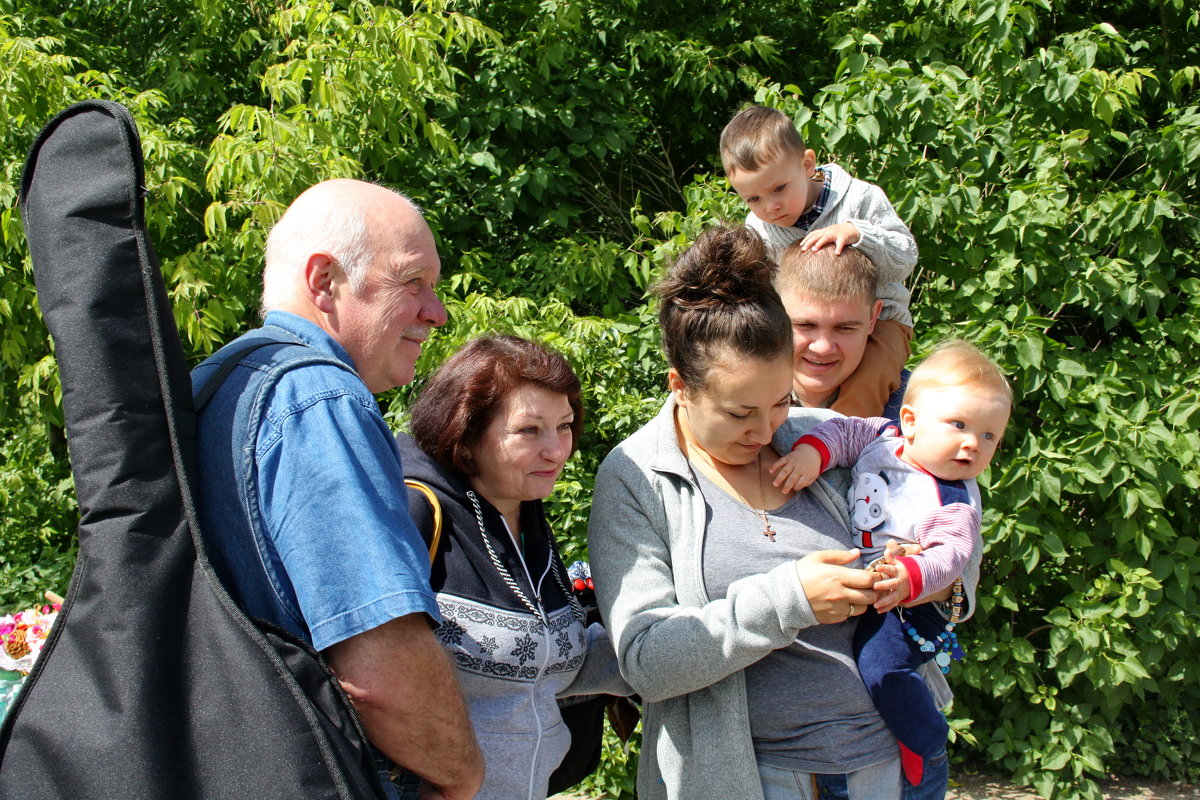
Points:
x=818 y=208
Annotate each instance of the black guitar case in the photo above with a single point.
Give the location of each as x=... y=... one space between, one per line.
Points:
x=153 y=684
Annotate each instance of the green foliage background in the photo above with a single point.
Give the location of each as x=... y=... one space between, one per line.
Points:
x=1044 y=152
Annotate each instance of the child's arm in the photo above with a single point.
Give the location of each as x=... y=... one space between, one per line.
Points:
x=835 y=442
x=798 y=468
x=947 y=537
x=883 y=236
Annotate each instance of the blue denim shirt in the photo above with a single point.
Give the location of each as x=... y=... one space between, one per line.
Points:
x=301 y=493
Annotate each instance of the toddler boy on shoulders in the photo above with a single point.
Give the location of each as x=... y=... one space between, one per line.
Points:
x=794 y=202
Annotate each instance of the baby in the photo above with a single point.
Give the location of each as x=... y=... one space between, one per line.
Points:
x=793 y=201
x=915 y=486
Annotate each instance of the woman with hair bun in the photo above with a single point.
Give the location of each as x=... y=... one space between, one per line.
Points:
x=727 y=601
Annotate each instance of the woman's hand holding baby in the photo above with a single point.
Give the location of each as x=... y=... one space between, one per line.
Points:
x=834 y=591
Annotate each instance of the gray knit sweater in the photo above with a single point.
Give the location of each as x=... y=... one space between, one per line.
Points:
x=885 y=239
x=684 y=654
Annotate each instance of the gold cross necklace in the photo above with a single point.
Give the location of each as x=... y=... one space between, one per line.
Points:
x=768 y=531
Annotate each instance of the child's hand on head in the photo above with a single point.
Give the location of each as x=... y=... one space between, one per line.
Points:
x=892 y=586
x=797 y=469
x=838 y=235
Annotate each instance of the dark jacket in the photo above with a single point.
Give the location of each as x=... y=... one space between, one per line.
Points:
x=514 y=656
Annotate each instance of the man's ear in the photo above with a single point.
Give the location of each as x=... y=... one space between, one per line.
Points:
x=874 y=316
x=908 y=421
x=677 y=387
x=319 y=273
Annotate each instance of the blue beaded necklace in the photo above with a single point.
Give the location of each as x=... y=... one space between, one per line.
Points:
x=945 y=645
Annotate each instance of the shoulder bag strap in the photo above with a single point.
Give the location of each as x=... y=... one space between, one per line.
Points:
x=424 y=489
x=227 y=366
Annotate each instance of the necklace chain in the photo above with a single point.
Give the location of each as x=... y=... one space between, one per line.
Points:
x=576 y=609
x=768 y=531
x=760 y=513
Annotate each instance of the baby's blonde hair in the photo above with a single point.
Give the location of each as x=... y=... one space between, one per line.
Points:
x=957 y=362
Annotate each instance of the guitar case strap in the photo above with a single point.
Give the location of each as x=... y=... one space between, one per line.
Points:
x=153 y=684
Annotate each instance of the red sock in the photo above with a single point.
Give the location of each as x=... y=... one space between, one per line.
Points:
x=912 y=764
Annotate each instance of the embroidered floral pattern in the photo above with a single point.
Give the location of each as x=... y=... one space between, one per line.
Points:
x=499 y=643
x=525 y=650
x=498 y=669
x=565 y=666
x=451 y=632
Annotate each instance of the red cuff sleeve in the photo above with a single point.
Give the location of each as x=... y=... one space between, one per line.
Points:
x=916 y=584
x=822 y=448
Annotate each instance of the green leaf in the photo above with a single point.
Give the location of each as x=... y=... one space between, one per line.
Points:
x=485 y=160
x=1056 y=759
x=1029 y=351
x=868 y=128
x=1053 y=546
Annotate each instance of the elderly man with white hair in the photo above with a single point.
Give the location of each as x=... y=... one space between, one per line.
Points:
x=302 y=492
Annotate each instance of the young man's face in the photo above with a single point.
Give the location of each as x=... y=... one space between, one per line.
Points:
x=780 y=190
x=829 y=338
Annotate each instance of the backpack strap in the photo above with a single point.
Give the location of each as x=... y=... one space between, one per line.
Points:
x=424 y=489
x=227 y=366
